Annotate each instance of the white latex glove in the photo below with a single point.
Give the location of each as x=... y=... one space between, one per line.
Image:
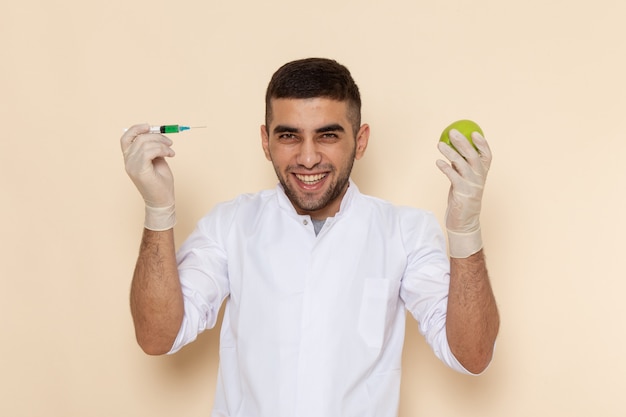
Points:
x=467 y=173
x=144 y=160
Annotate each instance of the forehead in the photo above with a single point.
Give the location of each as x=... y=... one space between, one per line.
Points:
x=308 y=112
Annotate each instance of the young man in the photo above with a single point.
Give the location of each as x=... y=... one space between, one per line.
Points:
x=317 y=275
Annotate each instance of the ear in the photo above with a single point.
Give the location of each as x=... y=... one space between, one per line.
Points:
x=265 y=142
x=362 y=139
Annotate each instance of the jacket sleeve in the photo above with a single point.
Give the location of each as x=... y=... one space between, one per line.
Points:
x=203 y=271
x=425 y=284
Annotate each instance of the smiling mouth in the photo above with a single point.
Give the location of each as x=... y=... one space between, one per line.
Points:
x=310 y=179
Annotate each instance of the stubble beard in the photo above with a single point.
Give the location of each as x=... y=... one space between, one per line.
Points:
x=306 y=202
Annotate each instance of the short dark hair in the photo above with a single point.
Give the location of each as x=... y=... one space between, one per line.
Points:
x=311 y=78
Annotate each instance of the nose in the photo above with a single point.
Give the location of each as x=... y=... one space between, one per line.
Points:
x=308 y=155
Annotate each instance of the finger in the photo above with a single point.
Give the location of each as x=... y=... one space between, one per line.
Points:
x=457 y=161
x=460 y=170
x=448 y=151
x=152 y=138
x=157 y=149
x=143 y=154
x=448 y=171
x=144 y=141
x=483 y=149
x=474 y=161
x=131 y=134
x=462 y=144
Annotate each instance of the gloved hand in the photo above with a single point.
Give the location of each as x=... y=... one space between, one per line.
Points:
x=144 y=160
x=467 y=173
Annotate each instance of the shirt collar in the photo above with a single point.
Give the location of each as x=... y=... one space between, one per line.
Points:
x=285 y=204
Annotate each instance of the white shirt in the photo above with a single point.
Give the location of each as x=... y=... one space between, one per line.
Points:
x=314 y=325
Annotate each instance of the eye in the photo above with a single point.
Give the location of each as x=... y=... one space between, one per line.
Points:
x=329 y=137
x=287 y=137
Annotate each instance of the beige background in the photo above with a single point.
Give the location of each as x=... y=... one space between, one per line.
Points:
x=544 y=79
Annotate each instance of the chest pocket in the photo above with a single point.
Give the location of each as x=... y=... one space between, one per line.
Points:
x=375 y=311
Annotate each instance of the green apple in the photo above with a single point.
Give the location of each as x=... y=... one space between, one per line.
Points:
x=466 y=127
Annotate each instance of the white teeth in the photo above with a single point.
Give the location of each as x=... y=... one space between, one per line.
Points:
x=310 y=179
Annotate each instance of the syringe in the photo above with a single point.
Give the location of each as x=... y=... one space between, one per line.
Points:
x=172 y=128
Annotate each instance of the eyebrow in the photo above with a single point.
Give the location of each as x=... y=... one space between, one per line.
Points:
x=334 y=127
x=285 y=129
